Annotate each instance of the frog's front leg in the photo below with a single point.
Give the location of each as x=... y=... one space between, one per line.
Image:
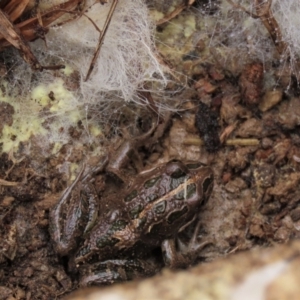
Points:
x=183 y=255
x=74 y=214
x=117 y=270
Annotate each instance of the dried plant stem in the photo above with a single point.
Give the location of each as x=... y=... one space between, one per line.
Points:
x=101 y=39
x=8 y=183
x=242 y=142
x=264 y=13
x=10 y=33
x=175 y=12
x=230 y=142
x=18 y=35
x=15 y=8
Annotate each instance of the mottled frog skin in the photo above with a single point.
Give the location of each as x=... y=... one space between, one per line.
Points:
x=106 y=239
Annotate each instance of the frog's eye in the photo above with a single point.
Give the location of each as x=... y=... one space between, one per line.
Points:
x=178 y=173
x=176 y=169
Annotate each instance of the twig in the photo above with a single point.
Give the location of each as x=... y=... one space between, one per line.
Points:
x=101 y=38
x=18 y=35
x=10 y=33
x=264 y=13
x=175 y=12
x=8 y=183
x=230 y=142
x=242 y=142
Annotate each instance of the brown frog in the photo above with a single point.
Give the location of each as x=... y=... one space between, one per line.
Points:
x=107 y=239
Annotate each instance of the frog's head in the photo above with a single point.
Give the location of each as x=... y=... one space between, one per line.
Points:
x=191 y=186
x=168 y=199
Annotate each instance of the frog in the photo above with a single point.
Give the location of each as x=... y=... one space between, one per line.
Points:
x=109 y=239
